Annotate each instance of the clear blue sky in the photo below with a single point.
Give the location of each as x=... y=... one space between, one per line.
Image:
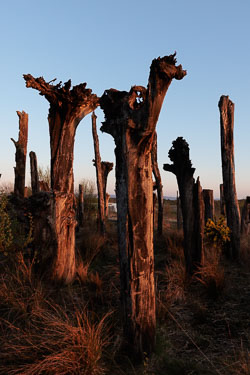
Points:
x=111 y=43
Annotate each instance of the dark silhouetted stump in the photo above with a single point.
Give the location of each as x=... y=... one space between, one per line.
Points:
x=35 y=186
x=179 y=213
x=131 y=117
x=208 y=197
x=191 y=203
x=226 y=108
x=222 y=201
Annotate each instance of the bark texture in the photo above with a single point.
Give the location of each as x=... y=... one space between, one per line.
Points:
x=226 y=107
x=67 y=108
x=21 y=152
x=131 y=117
x=191 y=203
x=208 y=197
x=245 y=217
x=158 y=182
x=35 y=186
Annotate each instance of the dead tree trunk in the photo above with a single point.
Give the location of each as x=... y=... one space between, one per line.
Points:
x=80 y=206
x=35 y=186
x=179 y=213
x=245 y=217
x=222 y=201
x=157 y=177
x=191 y=203
x=208 y=198
x=131 y=117
x=226 y=108
x=99 y=179
x=21 y=151
x=67 y=109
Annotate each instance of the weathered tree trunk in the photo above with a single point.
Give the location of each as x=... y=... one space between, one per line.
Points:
x=35 y=186
x=179 y=213
x=80 y=206
x=67 y=109
x=21 y=151
x=208 y=198
x=191 y=203
x=226 y=108
x=157 y=177
x=154 y=205
x=245 y=217
x=99 y=179
x=222 y=201
x=131 y=117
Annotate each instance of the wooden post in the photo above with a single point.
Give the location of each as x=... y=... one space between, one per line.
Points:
x=226 y=108
x=131 y=117
x=245 y=217
x=99 y=179
x=157 y=177
x=67 y=108
x=80 y=206
x=222 y=201
x=208 y=198
x=21 y=151
x=191 y=203
x=34 y=174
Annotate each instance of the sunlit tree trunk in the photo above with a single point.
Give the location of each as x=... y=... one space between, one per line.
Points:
x=67 y=108
x=131 y=117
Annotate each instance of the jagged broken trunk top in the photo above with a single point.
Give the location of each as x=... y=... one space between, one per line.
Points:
x=131 y=117
x=67 y=108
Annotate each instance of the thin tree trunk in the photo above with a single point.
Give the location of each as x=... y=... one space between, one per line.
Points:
x=80 y=206
x=222 y=201
x=208 y=198
x=99 y=177
x=131 y=117
x=226 y=108
x=157 y=177
x=35 y=186
x=190 y=203
x=67 y=108
x=245 y=217
x=21 y=151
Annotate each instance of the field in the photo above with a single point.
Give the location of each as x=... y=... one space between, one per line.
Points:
x=203 y=324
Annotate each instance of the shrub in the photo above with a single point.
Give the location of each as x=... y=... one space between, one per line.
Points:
x=217 y=234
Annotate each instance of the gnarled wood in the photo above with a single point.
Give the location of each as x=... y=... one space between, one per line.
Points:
x=131 y=117
x=158 y=183
x=191 y=203
x=67 y=108
x=226 y=108
x=208 y=198
x=35 y=186
x=21 y=152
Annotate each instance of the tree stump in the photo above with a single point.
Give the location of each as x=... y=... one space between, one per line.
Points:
x=191 y=203
x=67 y=108
x=208 y=198
x=35 y=186
x=131 y=117
x=226 y=108
x=21 y=152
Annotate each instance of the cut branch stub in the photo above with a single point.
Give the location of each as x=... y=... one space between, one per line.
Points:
x=21 y=152
x=131 y=117
x=226 y=108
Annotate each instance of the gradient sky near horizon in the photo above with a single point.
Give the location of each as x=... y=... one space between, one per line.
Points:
x=111 y=44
